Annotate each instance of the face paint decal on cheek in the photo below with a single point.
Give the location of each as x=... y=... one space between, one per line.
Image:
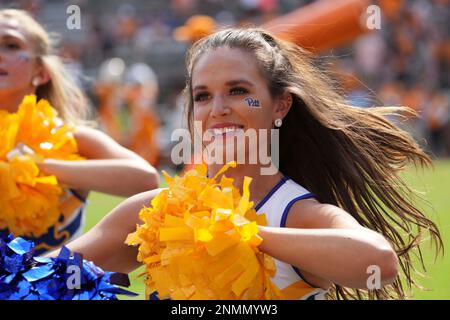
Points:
x=23 y=56
x=19 y=61
x=251 y=102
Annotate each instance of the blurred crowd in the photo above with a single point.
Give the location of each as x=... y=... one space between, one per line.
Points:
x=407 y=63
x=129 y=57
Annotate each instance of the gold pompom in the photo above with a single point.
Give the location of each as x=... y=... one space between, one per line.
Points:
x=29 y=199
x=199 y=240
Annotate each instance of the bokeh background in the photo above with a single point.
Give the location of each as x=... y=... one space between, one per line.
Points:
x=129 y=58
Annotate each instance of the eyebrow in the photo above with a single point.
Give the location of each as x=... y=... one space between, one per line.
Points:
x=239 y=81
x=228 y=83
x=12 y=36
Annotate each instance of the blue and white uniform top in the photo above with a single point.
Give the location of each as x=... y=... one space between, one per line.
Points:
x=276 y=205
x=69 y=226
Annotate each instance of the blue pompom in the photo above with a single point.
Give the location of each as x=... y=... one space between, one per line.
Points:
x=66 y=277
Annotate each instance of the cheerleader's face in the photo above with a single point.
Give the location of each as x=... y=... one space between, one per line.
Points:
x=230 y=94
x=17 y=62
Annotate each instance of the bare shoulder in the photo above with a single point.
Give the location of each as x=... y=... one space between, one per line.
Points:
x=310 y=213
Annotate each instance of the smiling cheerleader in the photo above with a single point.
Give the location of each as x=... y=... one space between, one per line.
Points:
x=335 y=207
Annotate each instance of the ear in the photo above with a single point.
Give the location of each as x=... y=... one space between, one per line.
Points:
x=42 y=76
x=282 y=106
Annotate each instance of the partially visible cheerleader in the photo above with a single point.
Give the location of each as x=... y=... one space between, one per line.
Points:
x=28 y=65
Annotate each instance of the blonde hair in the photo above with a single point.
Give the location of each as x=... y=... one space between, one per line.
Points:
x=61 y=91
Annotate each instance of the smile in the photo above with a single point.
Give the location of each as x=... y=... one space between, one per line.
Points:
x=226 y=131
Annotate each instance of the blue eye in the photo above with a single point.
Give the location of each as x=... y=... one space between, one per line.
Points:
x=238 y=90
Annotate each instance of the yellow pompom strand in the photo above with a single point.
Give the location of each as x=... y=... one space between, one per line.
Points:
x=199 y=240
x=29 y=199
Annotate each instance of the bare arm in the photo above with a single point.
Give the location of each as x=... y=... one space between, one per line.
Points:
x=104 y=243
x=110 y=168
x=329 y=246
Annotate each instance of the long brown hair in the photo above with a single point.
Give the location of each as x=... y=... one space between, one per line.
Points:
x=347 y=156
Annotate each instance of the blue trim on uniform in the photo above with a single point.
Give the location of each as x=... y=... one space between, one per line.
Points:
x=153 y=296
x=73 y=227
x=297 y=271
x=48 y=238
x=290 y=204
x=283 y=225
x=312 y=297
x=271 y=192
x=78 y=196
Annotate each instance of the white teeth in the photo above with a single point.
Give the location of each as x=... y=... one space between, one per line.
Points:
x=220 y=131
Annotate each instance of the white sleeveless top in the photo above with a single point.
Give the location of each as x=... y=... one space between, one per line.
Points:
x=276 y=205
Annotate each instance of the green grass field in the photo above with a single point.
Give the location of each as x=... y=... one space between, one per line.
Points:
x=434 y=182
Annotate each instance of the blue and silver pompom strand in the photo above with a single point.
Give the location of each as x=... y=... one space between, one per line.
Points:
x=23 y=276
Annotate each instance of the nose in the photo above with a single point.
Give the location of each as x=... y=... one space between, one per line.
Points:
x=219 y=107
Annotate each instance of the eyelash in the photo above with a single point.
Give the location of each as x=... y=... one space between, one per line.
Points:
x=242 y=90
x=11 y=46
x=199 y=97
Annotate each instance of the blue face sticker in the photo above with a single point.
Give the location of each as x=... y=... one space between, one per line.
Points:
x=24 y=56
x=253 y=102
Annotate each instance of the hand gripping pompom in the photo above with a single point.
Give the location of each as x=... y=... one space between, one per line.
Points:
x=29 y=199
x=199 y=240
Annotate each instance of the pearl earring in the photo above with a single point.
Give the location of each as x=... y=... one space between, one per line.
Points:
x=278 y=123
x=35 y=82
